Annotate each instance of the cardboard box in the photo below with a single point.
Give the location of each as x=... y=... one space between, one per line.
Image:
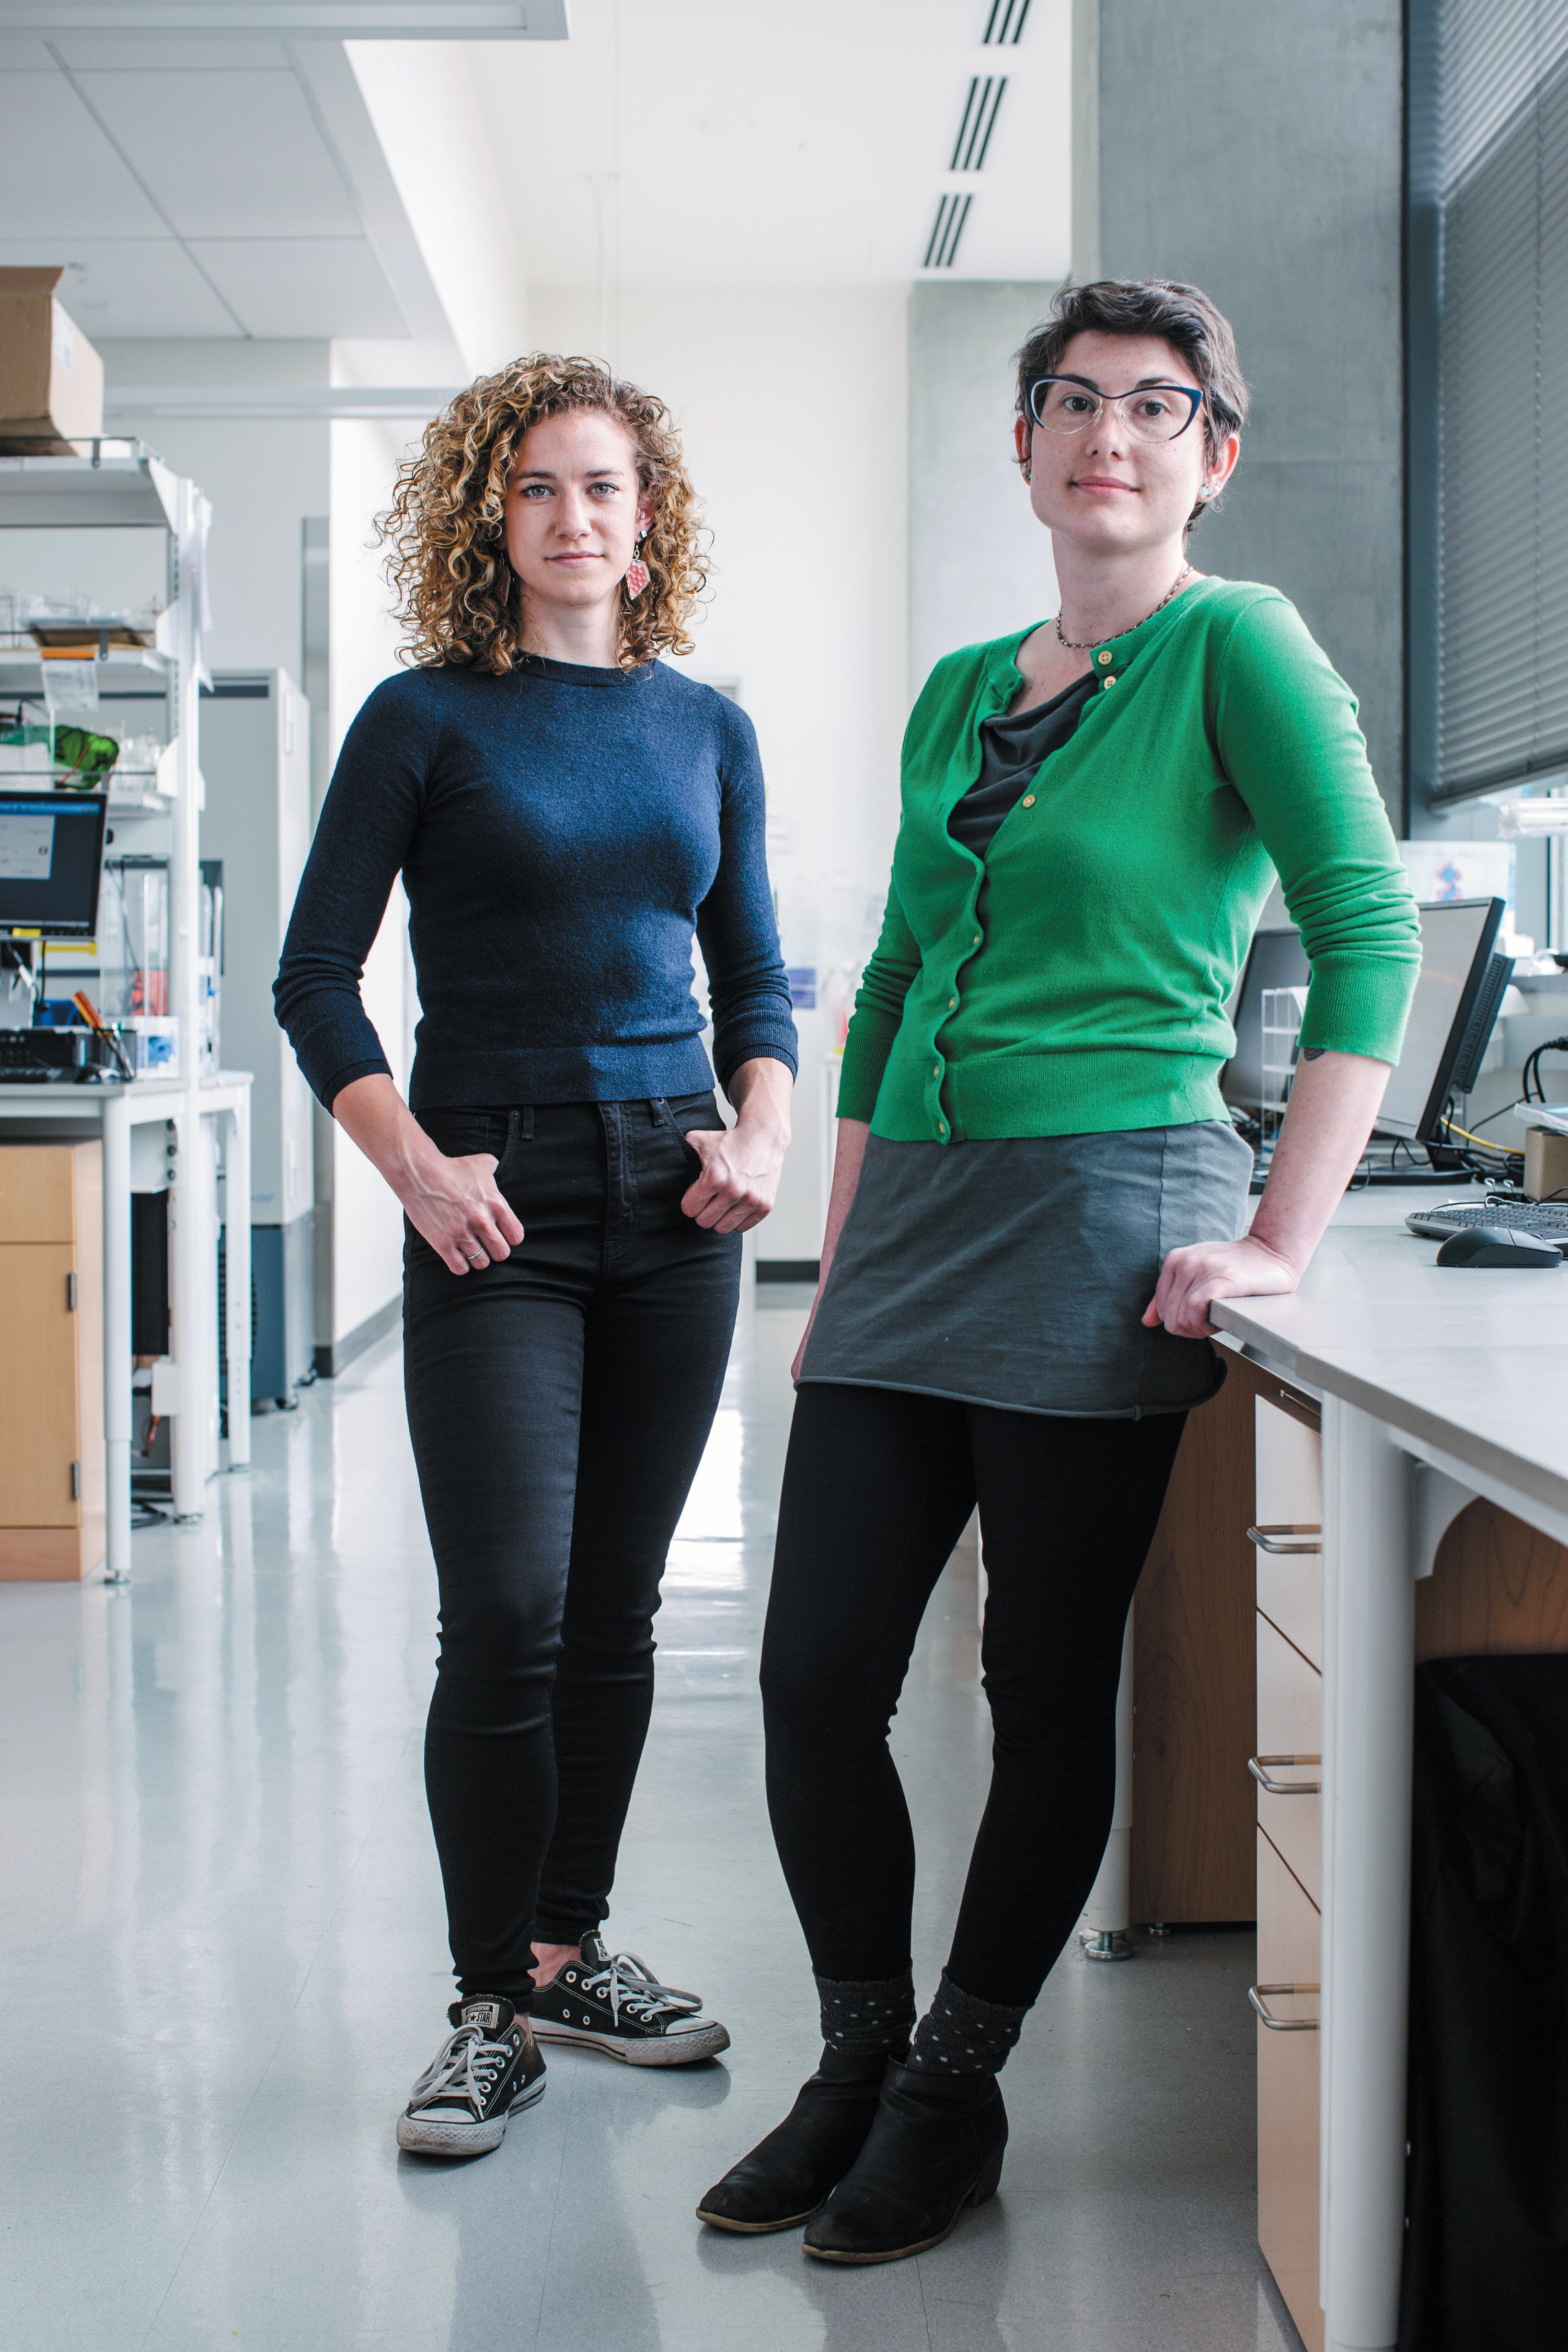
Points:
x=51 y=379
x=1545 y=1164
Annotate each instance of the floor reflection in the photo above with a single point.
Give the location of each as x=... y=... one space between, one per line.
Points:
x=222 y=1957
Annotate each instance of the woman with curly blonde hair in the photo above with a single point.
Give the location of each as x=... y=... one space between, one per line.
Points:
x=567 y=813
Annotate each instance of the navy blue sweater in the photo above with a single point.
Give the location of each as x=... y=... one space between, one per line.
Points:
x=562 y=833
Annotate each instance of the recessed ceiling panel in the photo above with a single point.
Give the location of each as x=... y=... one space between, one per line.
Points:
x=130 y=286
x=321 y=20
x=59 y=176
x=303 y=286
x=227 y=154
x=103 y=53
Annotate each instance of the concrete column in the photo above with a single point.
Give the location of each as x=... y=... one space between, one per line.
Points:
x=1256 y=149
x=980 y=564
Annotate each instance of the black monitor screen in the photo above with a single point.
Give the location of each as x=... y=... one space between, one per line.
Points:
x=1457 y=937
x=51 y=854
x=1277 y=961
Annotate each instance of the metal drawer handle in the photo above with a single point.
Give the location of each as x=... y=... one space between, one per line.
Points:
x=1284 y=1787
x=1254 y=1994
x=1263 y=1537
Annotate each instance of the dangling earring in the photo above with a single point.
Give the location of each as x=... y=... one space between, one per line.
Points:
x=637 y=573
x=1028 y=470
x=503 y=582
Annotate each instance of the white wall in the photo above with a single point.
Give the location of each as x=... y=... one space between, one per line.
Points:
x=426 y=101
x=367 y=1222
x=794 y=406
x=980 y=563
x=262 y=479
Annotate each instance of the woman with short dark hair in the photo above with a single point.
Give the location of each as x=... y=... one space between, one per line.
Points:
x=1037 y=1194
x=566 y=812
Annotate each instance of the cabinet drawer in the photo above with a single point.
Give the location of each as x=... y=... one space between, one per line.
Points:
x=37 y=1192
x=1288 y=1493
x=40 y=1461
x=1289 y=1944
x=1290 y=1724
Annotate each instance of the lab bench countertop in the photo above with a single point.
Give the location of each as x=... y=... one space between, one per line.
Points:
x=1471 y=1360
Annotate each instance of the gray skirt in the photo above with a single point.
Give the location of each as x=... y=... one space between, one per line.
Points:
x=1014 y=1272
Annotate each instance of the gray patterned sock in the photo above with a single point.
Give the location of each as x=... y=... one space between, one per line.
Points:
x=868 y=2017
x=961 y=2035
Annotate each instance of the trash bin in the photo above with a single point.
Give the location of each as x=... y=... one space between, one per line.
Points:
x=1486 y=2261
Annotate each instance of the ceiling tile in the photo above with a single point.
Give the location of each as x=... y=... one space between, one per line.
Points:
x=227 y=154
x=59 y=176
x=303 y=286
x=816 y=158
x=131 y=286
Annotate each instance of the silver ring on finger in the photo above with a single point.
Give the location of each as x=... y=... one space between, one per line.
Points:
x=478 y=1257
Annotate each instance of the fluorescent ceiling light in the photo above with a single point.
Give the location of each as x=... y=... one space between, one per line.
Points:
x=1527 y=820
x=322 y=20
x=283 y=403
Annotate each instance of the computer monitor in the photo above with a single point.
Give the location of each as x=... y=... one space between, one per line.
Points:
x=1277 y=961
x=1457 y=1000
x=51 y=856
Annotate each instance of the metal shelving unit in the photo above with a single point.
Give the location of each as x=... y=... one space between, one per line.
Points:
x=122 y=485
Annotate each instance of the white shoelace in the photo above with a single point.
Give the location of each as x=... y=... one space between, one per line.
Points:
x=465 y=2067
x=630 y=1984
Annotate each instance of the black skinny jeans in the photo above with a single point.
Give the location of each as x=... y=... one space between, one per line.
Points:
x=878 y=1487
x=559 y=1403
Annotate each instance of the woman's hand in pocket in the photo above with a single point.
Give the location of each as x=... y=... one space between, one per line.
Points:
x=456 y=1206
x=453 y=1203
x=737 y=1183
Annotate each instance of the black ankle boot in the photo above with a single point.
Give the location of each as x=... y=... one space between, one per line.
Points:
x=934 y=2147
x=787 y=2176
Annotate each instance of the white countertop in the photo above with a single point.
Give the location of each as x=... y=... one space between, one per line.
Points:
x=1472 y=1359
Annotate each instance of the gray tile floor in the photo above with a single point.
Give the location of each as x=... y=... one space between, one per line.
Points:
x=222 y=1961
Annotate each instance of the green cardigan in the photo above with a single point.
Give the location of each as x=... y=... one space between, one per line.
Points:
x=1076 y=982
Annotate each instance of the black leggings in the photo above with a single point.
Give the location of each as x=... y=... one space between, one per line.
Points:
x=878 y=1488
x=559 y=1403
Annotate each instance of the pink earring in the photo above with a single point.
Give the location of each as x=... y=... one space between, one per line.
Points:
x=637 y=573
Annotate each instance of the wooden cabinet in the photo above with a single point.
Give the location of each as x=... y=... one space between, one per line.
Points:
x=51 y=1365
x=1289 y=1971
x=1192 y=1675
x=1228 y=1655
x=1289 y=1759
x=1195 y=1648
x=1288 y=1487
x=1287 y=1466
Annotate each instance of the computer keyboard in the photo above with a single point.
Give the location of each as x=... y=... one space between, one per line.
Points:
x=1546 y=1220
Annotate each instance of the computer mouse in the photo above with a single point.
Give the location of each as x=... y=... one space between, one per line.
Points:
x=1496 y=1245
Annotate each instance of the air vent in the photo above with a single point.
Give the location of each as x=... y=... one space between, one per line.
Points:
x=1004 y=26
x=952 y=212
x=979 y=121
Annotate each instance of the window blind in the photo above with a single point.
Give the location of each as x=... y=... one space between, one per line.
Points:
x=1502 y=85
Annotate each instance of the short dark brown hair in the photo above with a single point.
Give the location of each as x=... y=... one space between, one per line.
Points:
x=1179 y=315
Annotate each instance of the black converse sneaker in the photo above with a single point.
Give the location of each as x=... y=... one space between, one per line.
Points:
x=615 y=2003
x=487 y=2067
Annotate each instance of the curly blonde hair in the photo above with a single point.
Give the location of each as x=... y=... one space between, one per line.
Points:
x=446 y=528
